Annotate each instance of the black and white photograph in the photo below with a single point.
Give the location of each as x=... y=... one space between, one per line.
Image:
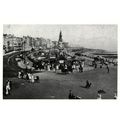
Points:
x=60 y=61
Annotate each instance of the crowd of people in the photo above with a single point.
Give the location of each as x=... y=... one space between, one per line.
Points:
x=64 y=65
x=61 y=65
x=28 y=76
x=101 y=63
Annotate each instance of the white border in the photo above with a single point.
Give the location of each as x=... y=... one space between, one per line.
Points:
x=58 y=12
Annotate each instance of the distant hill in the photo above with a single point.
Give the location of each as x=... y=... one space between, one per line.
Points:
x=83 y=50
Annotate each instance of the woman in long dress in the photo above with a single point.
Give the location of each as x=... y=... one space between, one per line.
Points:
x=19 y=74
x=7 y=87
x=32 y=78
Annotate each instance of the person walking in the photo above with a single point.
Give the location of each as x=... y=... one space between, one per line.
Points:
x=8 y=87
x=32 y=78
x=19 y=74
x=107 y=68
x=22 y=74
x=80 y=68
x=71 y=96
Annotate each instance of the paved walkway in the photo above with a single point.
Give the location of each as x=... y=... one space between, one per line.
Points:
x=10 y=53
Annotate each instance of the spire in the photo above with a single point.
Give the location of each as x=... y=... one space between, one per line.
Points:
x=60 y=37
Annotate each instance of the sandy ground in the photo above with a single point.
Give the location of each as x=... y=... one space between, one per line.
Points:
x=56 y=86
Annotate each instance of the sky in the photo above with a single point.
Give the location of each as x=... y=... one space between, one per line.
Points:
x=89 y=36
